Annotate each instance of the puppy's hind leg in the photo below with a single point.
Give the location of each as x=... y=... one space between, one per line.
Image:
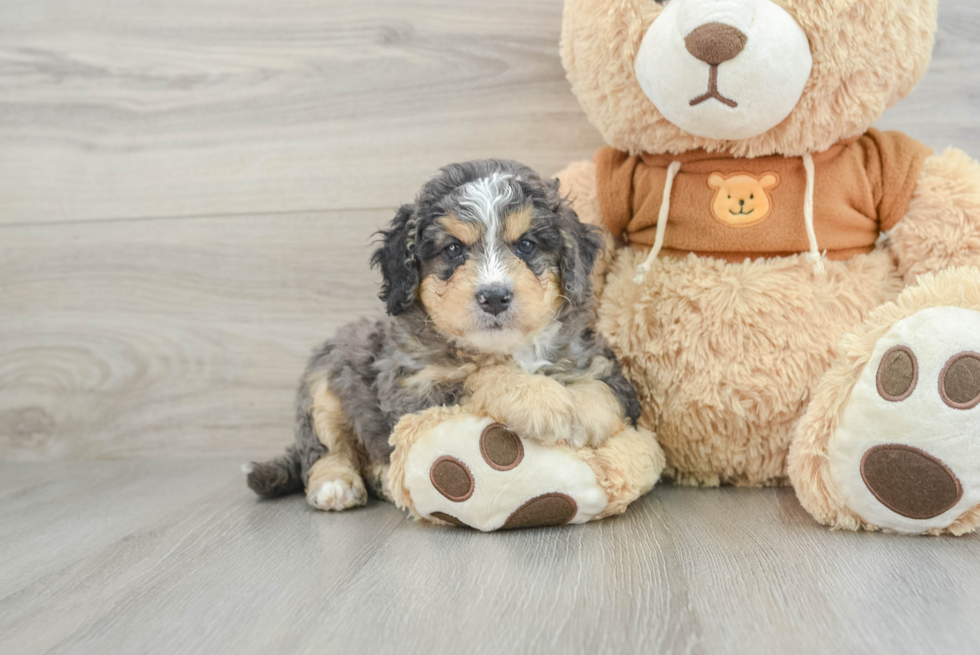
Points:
x=334 y=482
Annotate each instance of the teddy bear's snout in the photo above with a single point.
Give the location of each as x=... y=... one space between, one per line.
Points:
x=724 y=69
x=715 y=43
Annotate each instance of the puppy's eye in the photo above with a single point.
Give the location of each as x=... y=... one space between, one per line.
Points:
x=526 y=247
x=453 y=251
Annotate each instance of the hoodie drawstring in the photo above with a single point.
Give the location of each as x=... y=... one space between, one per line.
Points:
x=814 y=256
x=658 y=243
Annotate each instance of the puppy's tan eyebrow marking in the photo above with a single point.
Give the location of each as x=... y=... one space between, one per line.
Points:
x=518 y=223
x=468 y=233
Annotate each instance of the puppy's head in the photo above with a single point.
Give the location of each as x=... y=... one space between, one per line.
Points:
x=491 y=253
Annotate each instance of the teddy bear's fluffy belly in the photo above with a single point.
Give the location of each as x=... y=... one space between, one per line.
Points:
x=724 y=355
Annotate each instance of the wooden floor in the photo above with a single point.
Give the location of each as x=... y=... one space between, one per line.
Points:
x=177 y=557
x=187 y=196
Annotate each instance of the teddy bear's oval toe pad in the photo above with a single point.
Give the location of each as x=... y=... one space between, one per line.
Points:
x=451 y=478
x=897 y=374
x=472 y=472
x=501 y=449
x=959 y=383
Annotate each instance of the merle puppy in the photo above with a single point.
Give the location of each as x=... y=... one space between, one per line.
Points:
x=489 y=305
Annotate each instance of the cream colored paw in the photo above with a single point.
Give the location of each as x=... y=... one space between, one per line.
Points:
x=471 y=472
x=551 y=420
x=906 y=453
x=535 y=406
x=337 y=495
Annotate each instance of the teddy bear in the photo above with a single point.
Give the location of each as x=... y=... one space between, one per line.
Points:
x=794 y=294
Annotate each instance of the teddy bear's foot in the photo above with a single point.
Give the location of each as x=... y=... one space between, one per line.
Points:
x=453 y=467
x=475 y=473
x=905 y=453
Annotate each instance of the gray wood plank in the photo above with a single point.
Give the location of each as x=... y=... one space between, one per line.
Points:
x=171 y=338
x=206 y=568
x=112 y=108
x=942 y=111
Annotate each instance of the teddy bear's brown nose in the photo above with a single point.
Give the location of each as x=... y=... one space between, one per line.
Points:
x=715 y=43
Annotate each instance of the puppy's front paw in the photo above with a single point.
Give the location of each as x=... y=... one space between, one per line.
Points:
x=533 y=405
x=337 y=495
x=548 y=416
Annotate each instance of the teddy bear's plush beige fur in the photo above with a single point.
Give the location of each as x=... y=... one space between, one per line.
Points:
x=729 y=357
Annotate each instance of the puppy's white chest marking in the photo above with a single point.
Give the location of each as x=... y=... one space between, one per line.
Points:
x=534 y=356
x=528 y=361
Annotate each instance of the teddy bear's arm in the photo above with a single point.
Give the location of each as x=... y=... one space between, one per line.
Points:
x=578 y=185
x=941 y=228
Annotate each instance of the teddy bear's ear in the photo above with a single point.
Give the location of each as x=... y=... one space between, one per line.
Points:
x=769 y=180
x=398 y=263
x=715 y=180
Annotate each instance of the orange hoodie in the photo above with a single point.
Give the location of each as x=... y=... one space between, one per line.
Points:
x=736 y=208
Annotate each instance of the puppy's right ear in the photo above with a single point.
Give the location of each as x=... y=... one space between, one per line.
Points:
x=398 y=263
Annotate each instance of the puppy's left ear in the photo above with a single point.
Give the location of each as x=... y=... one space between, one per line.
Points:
x=580 y=246
x=398 y=263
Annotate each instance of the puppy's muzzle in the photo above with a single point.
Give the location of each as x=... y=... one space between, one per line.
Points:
x=495 y=300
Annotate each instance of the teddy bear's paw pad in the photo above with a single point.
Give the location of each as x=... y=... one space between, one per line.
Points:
x=473 y=473
x=501 y=448
x=541 y=512
x=452 y=478
x=446 y=518
x=910 y=481
x=906 y=454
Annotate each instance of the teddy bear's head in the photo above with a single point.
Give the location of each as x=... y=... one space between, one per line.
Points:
x=748 y=77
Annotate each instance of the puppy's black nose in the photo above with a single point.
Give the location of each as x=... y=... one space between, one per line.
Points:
x=494 y=301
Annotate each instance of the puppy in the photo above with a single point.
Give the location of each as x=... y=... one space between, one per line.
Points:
x=489 y=305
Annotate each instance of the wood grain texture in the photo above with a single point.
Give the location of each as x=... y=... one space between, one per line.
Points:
x=114 y=108
x=187 y=561
x=171 y=338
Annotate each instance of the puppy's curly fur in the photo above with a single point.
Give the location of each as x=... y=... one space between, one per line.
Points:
x=486 y=280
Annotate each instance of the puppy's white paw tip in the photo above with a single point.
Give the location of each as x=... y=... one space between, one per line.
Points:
x=338 y=495
x=248 y=468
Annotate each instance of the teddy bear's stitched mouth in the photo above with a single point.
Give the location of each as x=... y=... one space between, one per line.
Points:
x=713 y=91
x=740 y=212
